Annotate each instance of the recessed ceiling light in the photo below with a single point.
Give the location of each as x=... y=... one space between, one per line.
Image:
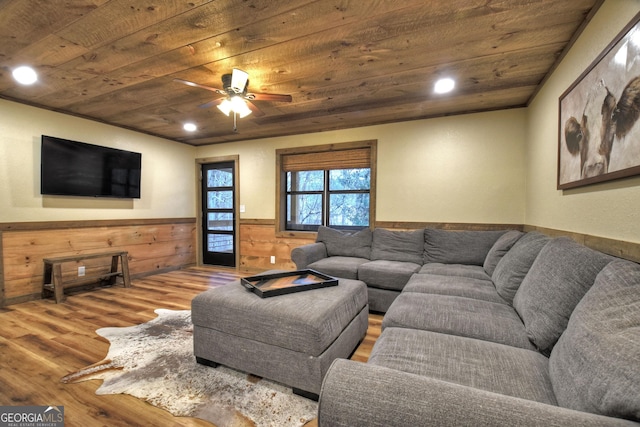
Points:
x=190 y=127
x=25 y=75
x=444 y=85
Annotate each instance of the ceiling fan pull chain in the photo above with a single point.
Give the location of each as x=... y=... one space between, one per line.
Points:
x=235 y=121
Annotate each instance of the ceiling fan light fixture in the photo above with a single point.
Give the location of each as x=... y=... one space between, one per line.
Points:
x=239 y=80
x=239 y=105
x=225 y=107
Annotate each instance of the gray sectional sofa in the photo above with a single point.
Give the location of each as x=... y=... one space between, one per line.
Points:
x=386 y=259
x=489 y=328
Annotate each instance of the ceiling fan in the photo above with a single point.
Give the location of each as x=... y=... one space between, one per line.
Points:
x=235 y=96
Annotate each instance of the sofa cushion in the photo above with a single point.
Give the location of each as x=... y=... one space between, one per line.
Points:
x=387 y=274
x=458 y=247
x=455 y=286
x=460 y=316
x=499 y=249
x=339 y=243
x=459 y=270
x=595 y=366
x=474 y=363
x=381 y=299
x=559 y=277
x=339 y=266
x=515 y=264
x=405 y=246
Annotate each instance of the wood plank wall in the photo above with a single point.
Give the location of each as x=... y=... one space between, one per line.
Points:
x=160 y=245
x=617 y=248
x=258 y=242
x=154 y=245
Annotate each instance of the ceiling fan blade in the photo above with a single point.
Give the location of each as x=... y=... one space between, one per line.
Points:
x=269 y=97
x=213 y=103
x=192 y=84
x=254 y=109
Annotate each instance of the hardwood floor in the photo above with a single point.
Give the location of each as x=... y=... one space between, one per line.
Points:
x=40 y=342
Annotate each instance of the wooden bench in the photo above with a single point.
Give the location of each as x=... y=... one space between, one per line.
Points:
x=53 y=281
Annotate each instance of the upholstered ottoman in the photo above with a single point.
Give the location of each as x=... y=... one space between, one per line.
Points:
x=291 y=339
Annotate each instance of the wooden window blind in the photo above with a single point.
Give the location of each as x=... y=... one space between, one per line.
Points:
x=324 y=160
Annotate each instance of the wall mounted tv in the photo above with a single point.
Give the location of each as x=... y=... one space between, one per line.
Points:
x=71 y=168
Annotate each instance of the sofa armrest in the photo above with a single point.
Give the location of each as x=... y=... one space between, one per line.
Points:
x=304 y=255
x=357 y=394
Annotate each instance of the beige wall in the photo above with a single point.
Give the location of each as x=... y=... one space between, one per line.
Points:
x=167 y=170
x=610 y=209
x=455 y=169
x=495 y=167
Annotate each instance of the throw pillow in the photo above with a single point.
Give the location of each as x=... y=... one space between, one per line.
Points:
x=559 y=277
x=339 y=243
x=499 y=249
x=515 y=264
x=395 y=245
x=458 y=247
x=595 y=365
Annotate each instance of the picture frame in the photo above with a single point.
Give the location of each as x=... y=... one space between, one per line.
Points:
x=599 y=123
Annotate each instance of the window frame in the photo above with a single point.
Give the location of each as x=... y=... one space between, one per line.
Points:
x=281 y=181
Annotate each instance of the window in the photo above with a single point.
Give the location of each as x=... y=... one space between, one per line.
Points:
x=326 y=185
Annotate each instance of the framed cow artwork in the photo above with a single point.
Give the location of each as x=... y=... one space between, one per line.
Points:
x=599 y=126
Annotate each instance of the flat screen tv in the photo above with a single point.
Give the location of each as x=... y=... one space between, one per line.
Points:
x=71 y=168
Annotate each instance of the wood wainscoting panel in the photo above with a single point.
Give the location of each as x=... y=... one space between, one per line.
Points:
x=259 y=240
x=153 y=246
x=618 y=248
x=258 y=243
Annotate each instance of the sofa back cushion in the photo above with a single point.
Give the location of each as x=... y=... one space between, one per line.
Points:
x=595 y=366
x=406 y=246
x=458 y=247
x=499 y=249
x=341 y=243
x=515 y=264
x=559 y=277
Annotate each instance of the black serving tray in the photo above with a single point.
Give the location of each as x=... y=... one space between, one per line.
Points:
x=270 y=285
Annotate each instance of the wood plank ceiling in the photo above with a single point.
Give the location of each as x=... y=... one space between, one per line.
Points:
x=346 y=63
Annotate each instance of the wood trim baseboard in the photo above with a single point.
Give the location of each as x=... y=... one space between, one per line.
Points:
x=460 y=226
x=160 y=271
x=257 y=222
x=21 y=299
x=53 y=225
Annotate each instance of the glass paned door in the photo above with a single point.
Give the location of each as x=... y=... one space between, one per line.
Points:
x=218 y=214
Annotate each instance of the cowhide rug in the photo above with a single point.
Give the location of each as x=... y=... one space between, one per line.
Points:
x=154 y=361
